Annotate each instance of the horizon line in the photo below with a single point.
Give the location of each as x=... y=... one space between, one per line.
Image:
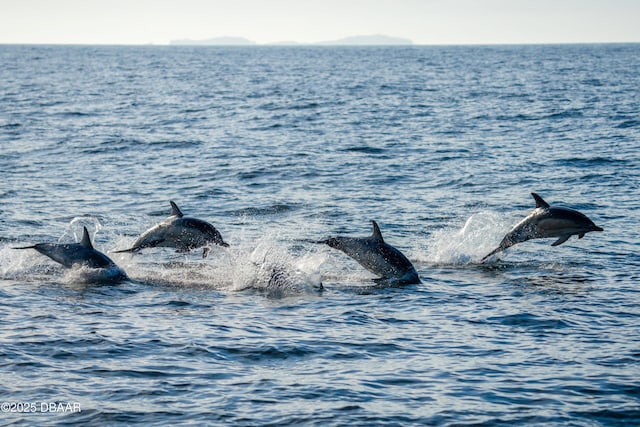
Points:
x=316 y=44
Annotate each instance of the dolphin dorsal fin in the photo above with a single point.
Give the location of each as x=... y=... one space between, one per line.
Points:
x=86 y=240
x=540 y=203
x=175 y=210
x=376 y=232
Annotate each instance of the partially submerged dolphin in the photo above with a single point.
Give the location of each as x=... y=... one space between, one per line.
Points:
x=547 y=221
x=75 y=254
x=377 y=256
x=180 y=232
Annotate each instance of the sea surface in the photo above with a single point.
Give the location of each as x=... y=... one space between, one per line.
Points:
x=279 y=147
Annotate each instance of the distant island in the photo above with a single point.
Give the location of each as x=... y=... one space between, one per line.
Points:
x=372 y=40
x=216 y=41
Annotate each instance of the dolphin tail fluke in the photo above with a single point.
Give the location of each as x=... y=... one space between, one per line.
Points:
x=307 y=241
x=312 y=241
x=126 y=250
x=331 y=242
x=493 y=252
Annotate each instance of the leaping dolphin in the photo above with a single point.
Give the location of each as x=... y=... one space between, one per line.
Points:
x=180 y=232
x=75 y=254
x=547 y=221
x=377 y=256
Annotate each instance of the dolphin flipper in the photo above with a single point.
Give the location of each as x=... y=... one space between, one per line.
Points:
x=126 y=250
x=561 y=240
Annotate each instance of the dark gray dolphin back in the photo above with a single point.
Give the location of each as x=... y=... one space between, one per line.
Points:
x=209 y=232
x=392 y=255
x=547 y=221
x=377 y=256
x=71 y=254
x=179 y=232
x=567 y=213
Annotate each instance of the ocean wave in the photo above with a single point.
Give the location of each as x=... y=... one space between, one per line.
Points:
x=283 y=146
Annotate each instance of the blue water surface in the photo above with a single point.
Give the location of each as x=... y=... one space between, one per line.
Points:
x=282 y=146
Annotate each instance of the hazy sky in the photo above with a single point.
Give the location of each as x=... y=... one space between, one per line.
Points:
x=270 y=21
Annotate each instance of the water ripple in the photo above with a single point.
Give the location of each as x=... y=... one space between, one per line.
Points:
x=282 y=146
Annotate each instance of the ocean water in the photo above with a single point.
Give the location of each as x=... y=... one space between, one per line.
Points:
x=281 y=146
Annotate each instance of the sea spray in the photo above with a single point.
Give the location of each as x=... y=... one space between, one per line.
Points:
x=469 y=243
x=268 y=267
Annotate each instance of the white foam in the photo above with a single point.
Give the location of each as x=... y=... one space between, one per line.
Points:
x=480 y=234
x=16 y=263
x=263 y=264
x=73 y=232
x=84 y=275
x=270 y=267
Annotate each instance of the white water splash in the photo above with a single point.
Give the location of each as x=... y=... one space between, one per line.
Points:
x=480 y=234
x=87 y=275
x=73 y=232
x=269 y=267
x=264 y=265
x=14 y=263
